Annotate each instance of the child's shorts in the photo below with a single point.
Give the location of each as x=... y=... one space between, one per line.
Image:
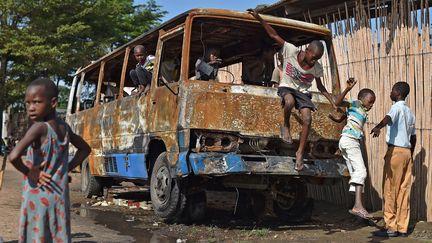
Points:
x=302 y=100
x=351 y=152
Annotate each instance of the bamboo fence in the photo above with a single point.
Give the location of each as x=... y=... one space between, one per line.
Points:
x=380 y=43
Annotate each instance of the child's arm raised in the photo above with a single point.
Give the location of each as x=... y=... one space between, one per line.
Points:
x=34 y=134
x=351 y=82
x=270 y=31
x=83 y=150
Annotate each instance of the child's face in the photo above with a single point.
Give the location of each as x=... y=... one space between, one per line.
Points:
x=140 y=55
x=213 y=55
x=38 y=105
x=368 y=101
x=312 y=55
x=394 y=94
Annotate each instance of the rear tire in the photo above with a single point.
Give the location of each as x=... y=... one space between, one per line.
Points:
x=292 y=204
x=90 y=185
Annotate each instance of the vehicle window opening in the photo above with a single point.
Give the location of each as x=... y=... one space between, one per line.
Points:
x=88 y=94
x=110 y=89
x=246 y=54
x=170 y=62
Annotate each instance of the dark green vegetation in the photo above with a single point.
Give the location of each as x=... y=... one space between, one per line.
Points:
x=53 y=38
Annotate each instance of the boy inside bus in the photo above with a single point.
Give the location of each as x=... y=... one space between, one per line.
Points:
x=206 y=68
x=142 y=74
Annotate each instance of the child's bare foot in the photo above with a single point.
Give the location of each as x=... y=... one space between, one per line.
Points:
x=286 y=135
x=299 y=162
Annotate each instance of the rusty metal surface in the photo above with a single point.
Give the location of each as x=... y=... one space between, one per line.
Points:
x=249 y=110
x=243 y=15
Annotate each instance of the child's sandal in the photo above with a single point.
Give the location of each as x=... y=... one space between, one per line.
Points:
x=361 y=213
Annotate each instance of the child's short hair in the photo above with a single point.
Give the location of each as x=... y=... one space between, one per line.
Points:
x=139 y=47
x=403 y=88
x=50 y=89
x=318 y=44
x=365 y=92
x=212 y=50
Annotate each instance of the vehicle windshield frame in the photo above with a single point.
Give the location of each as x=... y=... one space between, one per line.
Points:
x=307 y=28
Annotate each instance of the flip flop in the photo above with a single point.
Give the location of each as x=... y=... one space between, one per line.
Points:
x=362 y=214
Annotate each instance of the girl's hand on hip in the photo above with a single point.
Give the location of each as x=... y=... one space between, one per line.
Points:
x=38 y=176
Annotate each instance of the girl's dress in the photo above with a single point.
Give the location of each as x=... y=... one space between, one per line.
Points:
x=45 y=215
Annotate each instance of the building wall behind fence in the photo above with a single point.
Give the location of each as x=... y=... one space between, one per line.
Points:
x=378 y=52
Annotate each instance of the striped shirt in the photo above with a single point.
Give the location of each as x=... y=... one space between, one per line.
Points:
x=357 y=117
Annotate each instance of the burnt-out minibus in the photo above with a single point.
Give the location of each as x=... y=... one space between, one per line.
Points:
x=187 y=135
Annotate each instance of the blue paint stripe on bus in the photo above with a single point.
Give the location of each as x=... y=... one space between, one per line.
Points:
x=182 y=165
x=133 y=168
x=183 y=145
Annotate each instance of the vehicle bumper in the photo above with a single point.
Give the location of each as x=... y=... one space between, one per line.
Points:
x=213 y=163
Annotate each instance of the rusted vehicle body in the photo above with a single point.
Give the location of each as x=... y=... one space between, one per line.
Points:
x=187 y=136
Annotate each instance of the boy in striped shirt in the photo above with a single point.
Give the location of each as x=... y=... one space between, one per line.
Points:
x=349 y=143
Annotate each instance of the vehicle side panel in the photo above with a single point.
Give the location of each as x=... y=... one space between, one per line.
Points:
x=250 y=110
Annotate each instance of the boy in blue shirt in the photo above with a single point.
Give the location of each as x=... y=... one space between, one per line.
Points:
x=401 y=140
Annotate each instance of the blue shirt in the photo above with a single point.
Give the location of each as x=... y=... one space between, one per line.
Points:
x=402 y=125
x=356 y=118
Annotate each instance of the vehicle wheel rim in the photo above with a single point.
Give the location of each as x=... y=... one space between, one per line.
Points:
x=287 y=198
x=163 y=185
x=288 y=203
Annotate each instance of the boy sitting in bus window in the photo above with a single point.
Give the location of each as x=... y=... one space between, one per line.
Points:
x=142 y=74
x=207 y=68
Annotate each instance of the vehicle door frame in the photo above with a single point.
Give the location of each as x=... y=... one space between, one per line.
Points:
x=163 y=97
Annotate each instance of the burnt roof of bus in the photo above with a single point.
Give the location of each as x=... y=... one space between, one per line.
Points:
x=315 y=30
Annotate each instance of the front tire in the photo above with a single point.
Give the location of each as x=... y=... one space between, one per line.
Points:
x=165 y=192
x=90 y=185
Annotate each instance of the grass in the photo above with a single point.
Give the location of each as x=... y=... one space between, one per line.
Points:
x=261 y=232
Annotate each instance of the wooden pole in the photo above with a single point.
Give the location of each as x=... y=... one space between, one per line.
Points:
x=2 y=170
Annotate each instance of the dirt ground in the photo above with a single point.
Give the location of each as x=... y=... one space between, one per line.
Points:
x=100 y=220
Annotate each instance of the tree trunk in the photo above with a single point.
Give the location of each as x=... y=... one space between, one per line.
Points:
x=3 y=69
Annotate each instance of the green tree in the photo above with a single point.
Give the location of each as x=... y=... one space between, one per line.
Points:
x=54 y=37
x=63 y=97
